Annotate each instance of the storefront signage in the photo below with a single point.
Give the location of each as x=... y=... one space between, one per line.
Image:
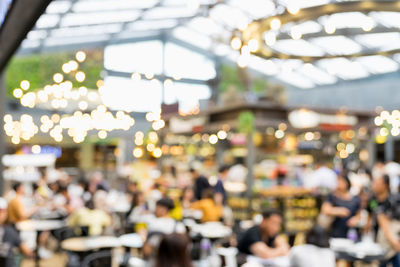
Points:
x=177 y=125
x=304 y=119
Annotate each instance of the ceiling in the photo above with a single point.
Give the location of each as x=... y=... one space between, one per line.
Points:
x=207 y=25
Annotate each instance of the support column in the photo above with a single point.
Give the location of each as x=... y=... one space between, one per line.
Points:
x=250 y=161
x=389 y=148
x=3 y=103
x=87 y=156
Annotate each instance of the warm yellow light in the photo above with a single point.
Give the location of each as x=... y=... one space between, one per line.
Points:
x=275 y=24
x=329 y=28
x=236 y=43
x=222 y=135
x=149 y=75
x=157 y=153
x=213 y=139
x=136 y=76
x=25 y=85
x=73 y=65
x=80 y=76
x=102 y=134
x=8 y=118
x=253 y=45
x=150 y=147
x=295 y=33
x=340 y=146
x=55 y=118
x=168 y=83
x=153 y=137
x=279 y=134
x=378 y=121
x=343 y=154
x=66 y=68
x=138 y=152
x=80 y=56
x=17 y=93
x=293 y=9
x=83 y=105
x=36 y=149
x=58 y=77
x=270 y=38
x=384 y=132
x=309 y=136
x=242 y=61
x=100 y=83
x=139 y=135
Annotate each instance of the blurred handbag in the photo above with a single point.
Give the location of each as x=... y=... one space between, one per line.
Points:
x=384 y=243
x=325 y=221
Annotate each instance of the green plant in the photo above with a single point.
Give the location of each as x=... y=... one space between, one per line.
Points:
x=230 y=77
x=39 y=69
x=246 y=122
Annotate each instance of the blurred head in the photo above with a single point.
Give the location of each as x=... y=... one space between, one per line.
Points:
x=194 y=173
x=163 y=206
x=137 y=198
x=173 y=251
x=3 y=210
x=317 y=236
x=188 y=194
x=271 y=223
x=381 y=185
x=208 y=193
x=19 y=188
x=343 y=183
x=223 y=171
x=132 y=186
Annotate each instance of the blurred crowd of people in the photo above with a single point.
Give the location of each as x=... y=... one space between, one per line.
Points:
x=355 y=204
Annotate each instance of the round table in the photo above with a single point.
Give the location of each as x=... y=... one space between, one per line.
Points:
x=40 y=225
x=347 y=250
x=212 y=230
x=131 y=241
x=84 y=244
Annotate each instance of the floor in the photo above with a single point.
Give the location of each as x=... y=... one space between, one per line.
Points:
x=59 y=260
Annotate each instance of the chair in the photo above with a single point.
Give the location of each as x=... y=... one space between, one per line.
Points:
x=228 y=256
x=98 y=259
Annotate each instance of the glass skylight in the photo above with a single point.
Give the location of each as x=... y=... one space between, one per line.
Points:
x=344 y=68
x=298 y=47
x=378 y=64
x=337 y=45
x=75 y=19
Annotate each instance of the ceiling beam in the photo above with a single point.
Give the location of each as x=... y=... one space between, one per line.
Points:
x=19 y=20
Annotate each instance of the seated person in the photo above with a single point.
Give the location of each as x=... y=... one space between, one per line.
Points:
x=262 y=240
x=161 y=224
x=17 y=211
x=211 y=211
x=91 y=216
x=315 y=252
x=9 y=239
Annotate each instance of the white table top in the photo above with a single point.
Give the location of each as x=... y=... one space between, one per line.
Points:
x=360 y=249
x=81 y=244
x=212 y=230
x=131 y=241
x=40 y=225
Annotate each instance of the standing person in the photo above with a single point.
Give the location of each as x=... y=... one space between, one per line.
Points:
x=200 y=183
x=212 y=211
x=381 y=189
x=262 y=240
x=173 y=251
x=389 y=230
x=343 y=207
x=219 y=186
x=315 y=252
x=17 y=211
x=9 y=239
